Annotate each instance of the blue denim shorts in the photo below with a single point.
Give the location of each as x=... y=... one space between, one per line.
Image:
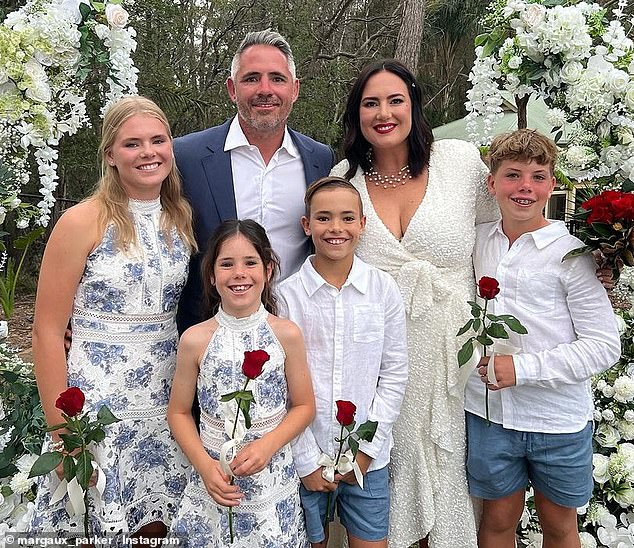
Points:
x=501 y=461
x=363 y=512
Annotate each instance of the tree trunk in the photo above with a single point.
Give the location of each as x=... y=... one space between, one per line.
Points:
x=410 y=34
x=521 y=111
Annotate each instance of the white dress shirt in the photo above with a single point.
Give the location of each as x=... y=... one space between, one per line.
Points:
x=357 y=351
x=572 y=332
x=271 y=194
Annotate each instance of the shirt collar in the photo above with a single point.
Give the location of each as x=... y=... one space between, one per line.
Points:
x=542 y=237
x=236 y=139
x=312 y=280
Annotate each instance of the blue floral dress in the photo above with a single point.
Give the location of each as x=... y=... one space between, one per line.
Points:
x=123 y=355
x=270 y=514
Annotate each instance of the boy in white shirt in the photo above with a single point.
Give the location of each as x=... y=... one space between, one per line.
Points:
x=353 y=321
x=541 y=407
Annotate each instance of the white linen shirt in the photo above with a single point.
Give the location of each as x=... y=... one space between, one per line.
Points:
x=572 y=332
x=271 y=194
x=357 y=351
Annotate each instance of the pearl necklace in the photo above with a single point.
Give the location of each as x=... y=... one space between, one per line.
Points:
x=390 y=180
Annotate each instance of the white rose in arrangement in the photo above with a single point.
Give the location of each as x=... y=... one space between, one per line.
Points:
x=629 y=415
x=20 y=483
x=624 y=389
x=607 y=436
x=624 y=135
x=617 y=80
x=116 y=16
x=580 y=156
x=533 y=15
x=620 y=324
x=629 y=96
x=37 y=82
x=608 y=391
x=625 y=497
x=571 y=72
x=626 y=429
x=596 y=415
x=607 y=415
x=600 y=468
x=102 y=31
x=601 y=384
x=587 y=540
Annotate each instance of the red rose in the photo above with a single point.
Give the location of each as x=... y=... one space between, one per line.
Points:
x=623 y=208
x=488 y=287
x=71 y=401
x=611 y=195
x=253 y=363
x=345 y=412
x=600 y=214
x=595 y=201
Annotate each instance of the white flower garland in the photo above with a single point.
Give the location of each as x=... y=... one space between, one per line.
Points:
x=42 y=65
x=578 y=61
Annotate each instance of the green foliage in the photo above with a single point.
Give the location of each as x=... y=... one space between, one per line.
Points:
x=23 y=425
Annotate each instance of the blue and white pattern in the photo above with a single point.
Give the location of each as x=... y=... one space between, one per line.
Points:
x=270 y=513
x=123 y=354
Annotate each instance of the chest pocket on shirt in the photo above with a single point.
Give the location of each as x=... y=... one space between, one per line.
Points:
x=369 y=322
x=536 y=292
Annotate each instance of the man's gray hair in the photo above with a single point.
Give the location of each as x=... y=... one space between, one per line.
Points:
x=266 y=37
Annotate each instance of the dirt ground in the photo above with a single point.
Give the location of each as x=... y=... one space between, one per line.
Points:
x=20 y=326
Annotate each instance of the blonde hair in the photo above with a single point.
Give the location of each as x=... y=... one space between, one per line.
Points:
x=110 y=194
x=527 y=145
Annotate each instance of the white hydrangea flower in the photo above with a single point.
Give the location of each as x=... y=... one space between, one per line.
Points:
x=556 y=117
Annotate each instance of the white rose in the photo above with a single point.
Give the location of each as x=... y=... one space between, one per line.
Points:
x=624 y=135
x=587 y=540
x=608 y=415
x=607 y=436
x=571 y=72
x=626 y=429
x=608 y=391
x=20 y=483
x=533 y=15
x=629 y=415
x=515 y=62
x=596 y=415
x=71 y=8
x=601 y=384
x=38 y=90
x=102 y=31
x=617 y=80
x=629 y=96
x=624 y=389
x=116 y=16
x=600 y=468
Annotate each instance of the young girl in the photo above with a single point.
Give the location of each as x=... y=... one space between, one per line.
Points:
x=115 y=265
x=236 y=270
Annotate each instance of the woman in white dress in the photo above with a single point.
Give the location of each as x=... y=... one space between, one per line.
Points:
x=115 y=265
x=422 y=201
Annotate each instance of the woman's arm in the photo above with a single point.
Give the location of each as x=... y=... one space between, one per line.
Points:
x=191 y=348
x=75 y=235
x=256 y=456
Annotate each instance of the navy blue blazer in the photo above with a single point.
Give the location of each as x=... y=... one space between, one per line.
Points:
x=208 y=185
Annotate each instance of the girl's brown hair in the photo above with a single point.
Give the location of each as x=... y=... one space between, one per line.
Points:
x=256 y=234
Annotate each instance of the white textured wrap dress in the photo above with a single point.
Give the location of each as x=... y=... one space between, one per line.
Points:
x=432 y=265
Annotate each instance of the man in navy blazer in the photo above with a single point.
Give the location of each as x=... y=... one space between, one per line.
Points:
x=270 y=158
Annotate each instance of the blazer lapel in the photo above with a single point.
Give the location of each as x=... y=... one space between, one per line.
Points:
x=312 y=169
x=217 y=167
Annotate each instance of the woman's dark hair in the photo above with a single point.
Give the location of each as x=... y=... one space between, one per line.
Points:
x=256 y=234
x=420 y=138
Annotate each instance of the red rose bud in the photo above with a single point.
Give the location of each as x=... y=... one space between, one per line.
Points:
x=345 y=412
x=71 y=401
x=254 y=362
x=488 y=287
x=623 y=208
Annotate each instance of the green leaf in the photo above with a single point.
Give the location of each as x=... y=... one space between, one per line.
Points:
x=627 y=186
x=465 y=328
x=477 y=323
x=489 y=47
x=84 y=468
x=85 y=11
x=577 y=252
x=45 y=463
x=105 y=416
x=230 y=396
x=464 y=354
x=69 y=467
x=481 y=39
x=354 y=446
x=244 y=407
x=367 y=430
x=497 y=331
x=514 y=324
x=96 y=435
x=56 y=427
x=25 y=241
x=484 y=340
x=71 y=441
